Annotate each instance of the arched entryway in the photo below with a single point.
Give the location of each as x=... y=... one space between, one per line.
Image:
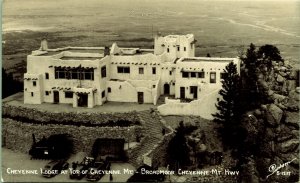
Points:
x=166 y=89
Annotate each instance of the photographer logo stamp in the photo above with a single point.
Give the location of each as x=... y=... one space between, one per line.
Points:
x=274 y=169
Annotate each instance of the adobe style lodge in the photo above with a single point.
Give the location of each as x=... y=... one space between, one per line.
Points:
x=90 y=76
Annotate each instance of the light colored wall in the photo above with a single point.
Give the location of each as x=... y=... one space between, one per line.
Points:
x=126 y=92
x=37 y=90
x=131 y=61
x=171 y=42
x=207 y=102
x=208 y=67
x=101 y=83
x=166 y=78
x=40 y=65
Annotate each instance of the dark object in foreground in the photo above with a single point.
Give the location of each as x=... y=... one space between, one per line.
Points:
x=54 y=168
x=79 y=170
x=138 y=176
x=59 y=146
x=97 y=170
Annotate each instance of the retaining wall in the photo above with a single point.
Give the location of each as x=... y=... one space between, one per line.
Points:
x=18 y=135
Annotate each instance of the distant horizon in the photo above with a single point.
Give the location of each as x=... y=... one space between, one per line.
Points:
x=219 y=25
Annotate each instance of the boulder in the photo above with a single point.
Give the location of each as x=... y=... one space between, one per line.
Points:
x=297 y=90
x=263 y=84
x=293 y=101
x=263 y=107
x=273 y=115
x=279 y=98
x=269 y=134
x=292 y=118
x=281 y=64
x=282 y=73
x=294 y=95
x=270 y=92
x=293 y=157
x=291 y=85
x=260 y=76
x=284 y=137
x=293 y=74
x=289 y=146
x=257 y=112
x=283 y=69
x=280 y=79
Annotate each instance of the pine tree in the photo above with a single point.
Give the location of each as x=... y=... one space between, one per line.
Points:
x=267 y=54
x=229 y=111
x=250 y=95
x=178 y=150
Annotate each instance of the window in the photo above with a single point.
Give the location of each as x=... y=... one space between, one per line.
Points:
x=153 y=86
x=32 y=94
x=223 y=75
x=74 y=75
x=185 y=74
x=109 y=90
x=184 y=48
x=34 y=83
x=68 y=94
x=47 y=75
x=170 y=72
x=178 y=48
x=213 y=77
x=141 y=70
x=77 y=73
x=201 y=74
x=193 y=74
x=103 y=94
x=103 y=71
x=153 y=70
x=168 y=50
x=123 y=69
x=46 y=92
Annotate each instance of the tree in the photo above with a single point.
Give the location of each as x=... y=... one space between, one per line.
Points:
x=178 y=150
x=9 y=85
x=229 y=110
x=250 y=95
x=267 y=54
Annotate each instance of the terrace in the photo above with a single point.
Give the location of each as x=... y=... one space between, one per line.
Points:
x=108 y=107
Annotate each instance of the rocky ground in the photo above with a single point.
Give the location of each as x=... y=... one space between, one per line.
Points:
x=279 y=123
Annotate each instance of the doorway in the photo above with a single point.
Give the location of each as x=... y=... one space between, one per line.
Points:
x=55 y=97
x=140 y=97
x=82 y=100
x=166 y=89
x=194 y=91
x=113 y=149
x=182 y=92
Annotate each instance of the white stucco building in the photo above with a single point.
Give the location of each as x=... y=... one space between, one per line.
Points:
x=89 y=76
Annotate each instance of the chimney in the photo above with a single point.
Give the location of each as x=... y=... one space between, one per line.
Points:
x=106 y=51
x=44 y=45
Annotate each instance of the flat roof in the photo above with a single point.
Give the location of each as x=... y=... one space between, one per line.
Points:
x=80 y=58
x=207 y=59
x=51 y=52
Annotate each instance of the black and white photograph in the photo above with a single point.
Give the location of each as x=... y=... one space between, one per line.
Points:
x=150 y=91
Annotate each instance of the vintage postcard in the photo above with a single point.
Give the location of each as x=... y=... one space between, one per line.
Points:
x=150 y=91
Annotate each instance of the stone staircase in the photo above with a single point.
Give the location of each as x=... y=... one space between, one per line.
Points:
x=153 y=134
